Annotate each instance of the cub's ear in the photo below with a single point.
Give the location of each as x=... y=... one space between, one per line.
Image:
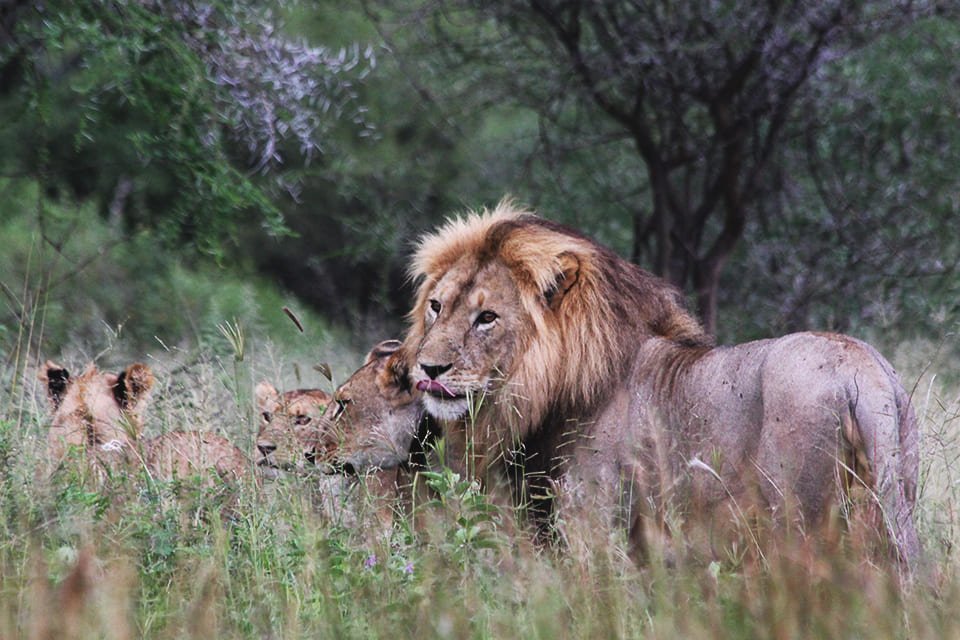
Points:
x=268 y=398
x=133 y=386
x=382 y=350
x=566 y=277
x=56 y=378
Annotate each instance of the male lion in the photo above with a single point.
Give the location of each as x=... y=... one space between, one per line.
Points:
x=541 y=350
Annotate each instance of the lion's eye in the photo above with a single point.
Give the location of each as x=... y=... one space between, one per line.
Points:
x=485 y=317
x=341 y=407
x=435 y=306
x=266 y=416
x=301 y=420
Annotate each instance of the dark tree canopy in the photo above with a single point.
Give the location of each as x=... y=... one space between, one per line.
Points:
x=790 y=164
x=703 y=90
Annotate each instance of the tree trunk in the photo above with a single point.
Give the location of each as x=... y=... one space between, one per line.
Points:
x=661 y=220
x=640 y=244
x=706 y=284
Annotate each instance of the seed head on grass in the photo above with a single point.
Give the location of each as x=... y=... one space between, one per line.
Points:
x=234 y=335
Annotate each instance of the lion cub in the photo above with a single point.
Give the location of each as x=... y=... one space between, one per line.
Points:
x=291 y=427
x=181 y=454
x=289 y=422
x=102 y=414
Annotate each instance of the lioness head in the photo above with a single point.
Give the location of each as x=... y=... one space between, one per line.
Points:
x=289 y=424
x=95 y=410
x=377 y=415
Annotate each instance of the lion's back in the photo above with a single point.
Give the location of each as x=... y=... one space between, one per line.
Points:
x=183 y=454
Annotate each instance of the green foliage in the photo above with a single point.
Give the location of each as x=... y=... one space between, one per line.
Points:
x=865 y=235
x=80 y=282
x=165 y=113
x=506 y=80
x=139 y=109
x=474 y=519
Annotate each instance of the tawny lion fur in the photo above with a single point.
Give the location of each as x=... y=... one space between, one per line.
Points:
x=289 y=424
x=538 y=348
x=295 y=436
x=378 y=415
x=97 y=412
x=102 y=414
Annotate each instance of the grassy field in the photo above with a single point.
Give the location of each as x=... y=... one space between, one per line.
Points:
x=136 y=558
x=140 y=559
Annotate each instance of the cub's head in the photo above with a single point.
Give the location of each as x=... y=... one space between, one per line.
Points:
x=289 y=424
x=377 y=415
x=96 y=409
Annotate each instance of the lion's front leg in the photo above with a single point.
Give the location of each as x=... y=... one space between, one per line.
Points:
x=589 y=508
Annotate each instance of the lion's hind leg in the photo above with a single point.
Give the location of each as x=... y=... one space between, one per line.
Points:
x=876 y=432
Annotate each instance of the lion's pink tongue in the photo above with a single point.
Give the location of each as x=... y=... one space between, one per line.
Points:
x=435 y=386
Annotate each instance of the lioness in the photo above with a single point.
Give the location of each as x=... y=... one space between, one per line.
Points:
x=378 y=415
x=100 y=413
x=103 y=414
x=542 y=349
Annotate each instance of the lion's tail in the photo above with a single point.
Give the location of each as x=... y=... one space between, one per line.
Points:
x=892 y=444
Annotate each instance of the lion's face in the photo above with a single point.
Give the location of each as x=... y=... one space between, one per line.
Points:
x=96 y=410
x=377 y=415
x=472 y=321
x=289 y=424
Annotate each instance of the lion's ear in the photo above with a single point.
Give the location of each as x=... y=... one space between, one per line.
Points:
x=56 y=379
x=566 y=277
x=267 y=397
x=133 y=386
x=395 y=374
x=382 y=350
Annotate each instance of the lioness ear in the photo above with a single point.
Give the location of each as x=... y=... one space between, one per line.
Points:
x=565 y=278
x=382 y=350
x=395 y=375
x=133 y=386
x=267 y=397
x=56 y=379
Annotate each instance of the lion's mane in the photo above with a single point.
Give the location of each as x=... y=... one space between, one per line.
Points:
x=583 y=345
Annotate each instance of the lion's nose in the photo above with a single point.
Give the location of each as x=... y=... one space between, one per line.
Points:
x=266 y=447
x=435 y=370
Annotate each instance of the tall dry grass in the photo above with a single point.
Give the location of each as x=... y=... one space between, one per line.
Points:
x=152 y=560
